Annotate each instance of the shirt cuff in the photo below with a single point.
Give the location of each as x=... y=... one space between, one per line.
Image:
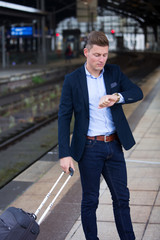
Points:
x=121 y=100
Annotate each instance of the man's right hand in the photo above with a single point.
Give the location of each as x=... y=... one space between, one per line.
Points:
x=66 y=163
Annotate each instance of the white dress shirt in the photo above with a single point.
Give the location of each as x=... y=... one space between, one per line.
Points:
x=100 y=121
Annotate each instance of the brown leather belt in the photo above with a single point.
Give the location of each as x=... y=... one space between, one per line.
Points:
x=104 y=138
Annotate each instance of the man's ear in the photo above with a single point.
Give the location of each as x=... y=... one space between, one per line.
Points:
x=85 y=52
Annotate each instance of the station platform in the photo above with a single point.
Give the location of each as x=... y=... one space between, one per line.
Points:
x=22 y=71
x=143 y=165
x=21 y=76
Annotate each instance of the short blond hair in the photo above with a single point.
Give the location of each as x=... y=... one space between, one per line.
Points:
x=96 y=38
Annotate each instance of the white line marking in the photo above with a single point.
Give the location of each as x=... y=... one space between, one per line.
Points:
x=139 y=161
x=50 y=152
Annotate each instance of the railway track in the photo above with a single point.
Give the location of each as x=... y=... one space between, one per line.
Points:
x=27 y=129
x=22 y=150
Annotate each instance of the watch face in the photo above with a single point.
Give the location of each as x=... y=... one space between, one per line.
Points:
x=117 y=96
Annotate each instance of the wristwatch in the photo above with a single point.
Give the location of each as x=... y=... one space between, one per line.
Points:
x=117 y=96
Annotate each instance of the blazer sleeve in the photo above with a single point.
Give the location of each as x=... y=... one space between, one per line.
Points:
x=64 y=119
x=130 y=91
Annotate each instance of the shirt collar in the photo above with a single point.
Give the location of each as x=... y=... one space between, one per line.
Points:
x=90 y=75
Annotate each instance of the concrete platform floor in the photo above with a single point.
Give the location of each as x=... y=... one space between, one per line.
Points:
x=143 y=164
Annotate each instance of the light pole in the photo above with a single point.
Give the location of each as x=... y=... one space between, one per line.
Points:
x=3 y=47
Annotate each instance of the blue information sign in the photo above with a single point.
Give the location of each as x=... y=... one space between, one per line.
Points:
x=21 y=31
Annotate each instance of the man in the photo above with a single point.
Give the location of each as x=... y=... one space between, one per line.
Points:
x=95 y=93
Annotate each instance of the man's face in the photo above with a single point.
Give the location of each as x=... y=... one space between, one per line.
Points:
x=96 y=57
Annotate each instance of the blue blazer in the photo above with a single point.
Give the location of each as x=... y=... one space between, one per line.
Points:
x=74 y=99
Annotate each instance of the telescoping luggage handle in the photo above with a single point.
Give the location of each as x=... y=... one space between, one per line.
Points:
x=49 y=193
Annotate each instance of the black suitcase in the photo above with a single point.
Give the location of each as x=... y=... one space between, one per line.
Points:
x=16 y=224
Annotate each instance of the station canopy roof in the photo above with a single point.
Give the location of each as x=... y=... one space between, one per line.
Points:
x=146 y=12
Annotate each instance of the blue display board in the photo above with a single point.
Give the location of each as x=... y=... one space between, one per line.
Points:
x=21 y=31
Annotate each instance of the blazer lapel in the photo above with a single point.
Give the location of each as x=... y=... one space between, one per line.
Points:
x=107 y=79
x=83 y=83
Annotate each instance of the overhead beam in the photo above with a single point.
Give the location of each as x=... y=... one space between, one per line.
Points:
x=21 y=8
x=142 y=12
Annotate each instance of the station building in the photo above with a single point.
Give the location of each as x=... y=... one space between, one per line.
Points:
x=38 y=31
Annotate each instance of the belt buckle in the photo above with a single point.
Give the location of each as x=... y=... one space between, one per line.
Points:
x=105 y=139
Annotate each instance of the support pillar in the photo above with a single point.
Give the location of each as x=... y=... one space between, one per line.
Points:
x=39 y=35
x=156 y=37
x=145 y=35
x=3 y=47
x=43 y=34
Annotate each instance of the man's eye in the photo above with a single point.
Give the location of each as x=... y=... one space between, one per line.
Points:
x=96 y=55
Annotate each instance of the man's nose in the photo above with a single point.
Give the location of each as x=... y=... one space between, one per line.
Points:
x=101 y=59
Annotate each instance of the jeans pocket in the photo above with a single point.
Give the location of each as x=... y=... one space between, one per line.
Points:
x=90 y=143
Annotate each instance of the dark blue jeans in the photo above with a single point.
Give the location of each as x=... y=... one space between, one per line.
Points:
x=106 y=159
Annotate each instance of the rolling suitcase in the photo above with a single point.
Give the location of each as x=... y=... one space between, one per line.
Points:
x=16 y=224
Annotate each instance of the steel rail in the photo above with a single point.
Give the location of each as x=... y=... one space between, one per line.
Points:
x=28 y=131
